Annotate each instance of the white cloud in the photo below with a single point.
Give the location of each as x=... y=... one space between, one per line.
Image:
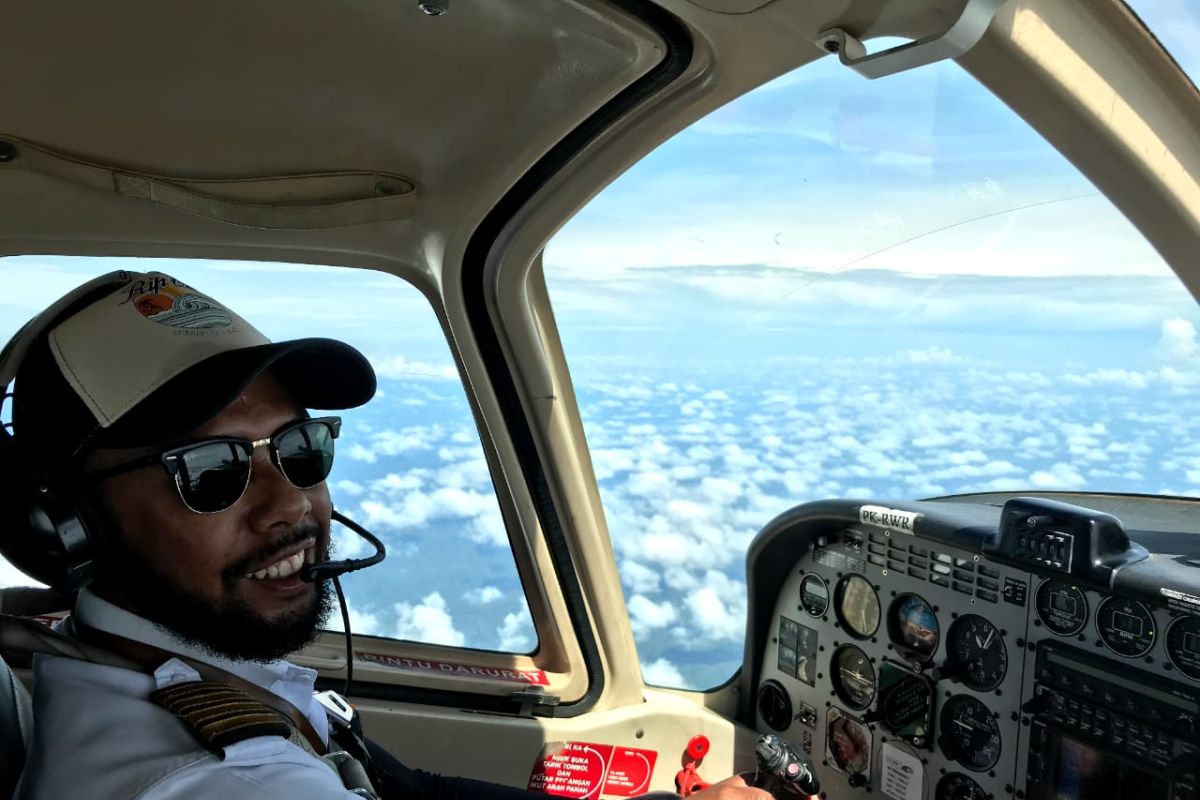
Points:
x=348 y=544
x=932 y=355
x=489 y=529
x=1060 y=476
x=483 y=595
x=645 y=615
x=413 y=508
x=399 y=366
x=650 y=484
x=1177 y=340
x=347 y=487
x=361 y=622
x=638 y=577
x=394 y=482
x=662 y=672
x=516 y=633
x=428 y=621
x=360 y=452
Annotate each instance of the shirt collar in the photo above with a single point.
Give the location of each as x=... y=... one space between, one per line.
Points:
x=289 y=681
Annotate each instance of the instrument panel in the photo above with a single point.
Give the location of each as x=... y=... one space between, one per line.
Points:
x=909 y=668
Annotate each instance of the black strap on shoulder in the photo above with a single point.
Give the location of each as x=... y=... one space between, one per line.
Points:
x=220 y=715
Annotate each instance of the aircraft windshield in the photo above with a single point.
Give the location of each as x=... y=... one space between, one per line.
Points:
x=1176 y=24
x=835 y=287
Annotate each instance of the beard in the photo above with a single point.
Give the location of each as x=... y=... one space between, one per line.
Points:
x=229 y=628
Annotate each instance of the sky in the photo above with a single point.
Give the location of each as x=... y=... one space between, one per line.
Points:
x=829 y=288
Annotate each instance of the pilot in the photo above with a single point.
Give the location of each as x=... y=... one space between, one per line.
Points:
x=178 y=436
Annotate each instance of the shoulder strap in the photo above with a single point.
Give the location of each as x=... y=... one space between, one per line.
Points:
x=18 y=634
x=221 y=709
x=149 y=658
x=219 y=714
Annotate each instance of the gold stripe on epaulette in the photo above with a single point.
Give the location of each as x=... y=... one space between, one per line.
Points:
x=220 y=715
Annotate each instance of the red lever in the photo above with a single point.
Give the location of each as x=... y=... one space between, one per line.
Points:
x=687 y=780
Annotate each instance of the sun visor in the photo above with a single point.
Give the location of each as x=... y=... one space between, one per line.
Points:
x=295 y=202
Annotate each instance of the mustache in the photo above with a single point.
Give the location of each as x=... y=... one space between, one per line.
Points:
x=305 y=530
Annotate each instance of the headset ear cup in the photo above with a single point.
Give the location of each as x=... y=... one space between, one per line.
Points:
x=42 y=532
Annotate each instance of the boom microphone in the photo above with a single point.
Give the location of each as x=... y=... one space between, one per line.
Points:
x=324 y=570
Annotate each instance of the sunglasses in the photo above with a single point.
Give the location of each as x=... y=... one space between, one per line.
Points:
x=213 y=474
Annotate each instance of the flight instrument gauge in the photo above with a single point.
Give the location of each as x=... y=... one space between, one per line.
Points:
x=858 y=606
x=1062 y=607
x=1183 y=646
x=814 y=594
x=913 y=627
x=957 y=786
x=977 y=651
x=853 y=677
x=848 y=744
x=775 y=706
x=970 y=734
x=1125 y=626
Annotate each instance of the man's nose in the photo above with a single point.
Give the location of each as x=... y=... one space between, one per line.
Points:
x=273 y=500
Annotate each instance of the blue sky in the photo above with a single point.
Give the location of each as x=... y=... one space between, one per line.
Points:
x=831 y=287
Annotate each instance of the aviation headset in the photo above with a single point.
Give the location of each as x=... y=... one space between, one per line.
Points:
x=50 y=522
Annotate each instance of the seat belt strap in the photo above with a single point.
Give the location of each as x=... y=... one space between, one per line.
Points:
x=149 y=658
x=199 y=704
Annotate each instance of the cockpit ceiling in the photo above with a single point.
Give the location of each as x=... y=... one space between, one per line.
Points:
x=460 y=104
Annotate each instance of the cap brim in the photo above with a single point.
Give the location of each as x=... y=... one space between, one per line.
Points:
x=319 y=373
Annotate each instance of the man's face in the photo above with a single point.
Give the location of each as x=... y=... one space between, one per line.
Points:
x=194 y=573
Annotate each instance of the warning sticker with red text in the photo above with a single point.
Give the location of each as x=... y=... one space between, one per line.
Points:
x=585 y=771
x=528 y=676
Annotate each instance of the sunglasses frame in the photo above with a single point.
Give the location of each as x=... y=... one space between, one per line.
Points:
x=170 y=459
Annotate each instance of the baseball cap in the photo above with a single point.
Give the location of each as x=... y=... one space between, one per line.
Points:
x=134 y=359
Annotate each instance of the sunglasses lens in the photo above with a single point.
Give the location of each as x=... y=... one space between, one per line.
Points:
x=306 y=453
x=213 y=476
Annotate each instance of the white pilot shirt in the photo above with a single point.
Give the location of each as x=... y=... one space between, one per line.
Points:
x=96 y=736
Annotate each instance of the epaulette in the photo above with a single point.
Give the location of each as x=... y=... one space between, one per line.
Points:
x=220 y=715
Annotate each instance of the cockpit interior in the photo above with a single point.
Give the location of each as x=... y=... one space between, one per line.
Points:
x=734 y=364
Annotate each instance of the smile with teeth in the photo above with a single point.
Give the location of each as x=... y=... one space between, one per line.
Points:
x=284 y=567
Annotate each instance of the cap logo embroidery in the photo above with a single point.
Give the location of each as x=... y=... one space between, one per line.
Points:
x=172 y=302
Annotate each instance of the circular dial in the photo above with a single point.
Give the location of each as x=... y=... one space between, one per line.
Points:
x=858 y=606
x=853 y=677
x=1183 y=646
x=1062 y=607
x=978 y=650
x=1125 y=626
x=970 y=734
x=848 y=743
x=774 y=706
x=957 y=786
x=913 y=627
x=814 y=595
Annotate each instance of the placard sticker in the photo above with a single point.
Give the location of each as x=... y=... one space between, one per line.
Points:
x=535 y=677
x=585 y=771
x=1178 y=599
x=901 y=775
x=892 y=519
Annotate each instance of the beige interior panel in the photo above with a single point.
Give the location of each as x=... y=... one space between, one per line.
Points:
x=504 y=749
x=462 y=104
